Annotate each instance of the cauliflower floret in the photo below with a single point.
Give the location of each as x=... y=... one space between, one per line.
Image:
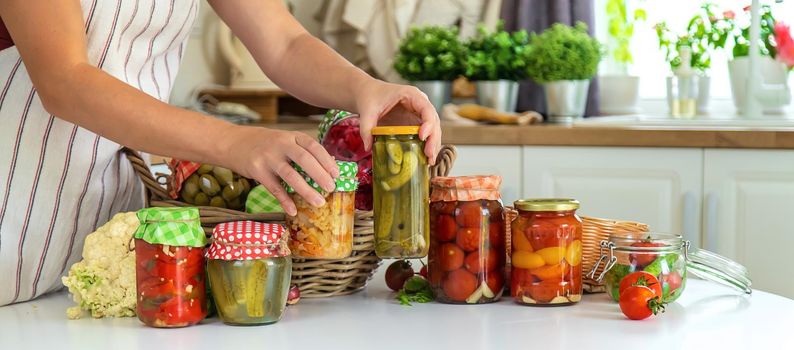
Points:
x=103 y=283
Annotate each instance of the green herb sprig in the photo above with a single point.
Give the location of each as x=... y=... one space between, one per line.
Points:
x=415 y=290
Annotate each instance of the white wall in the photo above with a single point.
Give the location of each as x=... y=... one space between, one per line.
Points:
x=203 y=65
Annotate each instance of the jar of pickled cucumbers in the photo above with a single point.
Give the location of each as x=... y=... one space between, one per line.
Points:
x=466 y=262
x=249 y=271
x=546 y=254
x=170 y=279
x=325 y=232
x=400 y=189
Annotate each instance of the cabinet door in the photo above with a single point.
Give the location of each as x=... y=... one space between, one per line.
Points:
x=747 y=216
x=504 y=161
x=658 y=186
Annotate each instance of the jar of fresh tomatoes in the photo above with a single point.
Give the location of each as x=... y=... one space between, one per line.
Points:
x=249 y=271
x=170 y=276
x=466 y=261
x=546 y=254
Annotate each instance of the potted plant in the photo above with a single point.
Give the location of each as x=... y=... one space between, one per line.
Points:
x=564 y=59
x=430 y=58
x=495 y=62
x=619 y=91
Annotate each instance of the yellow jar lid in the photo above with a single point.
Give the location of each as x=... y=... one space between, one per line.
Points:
x=395 y=130
x=547 y=204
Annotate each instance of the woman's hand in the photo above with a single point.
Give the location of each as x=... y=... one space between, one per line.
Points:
x=376 y=99
x=265 y=154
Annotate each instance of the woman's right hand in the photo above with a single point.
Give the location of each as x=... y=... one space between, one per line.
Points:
x=265 y=154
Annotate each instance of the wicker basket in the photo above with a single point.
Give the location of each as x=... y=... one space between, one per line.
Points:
x=594 y=230
x=315 y=278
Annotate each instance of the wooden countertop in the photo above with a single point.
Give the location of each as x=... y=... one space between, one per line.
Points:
x=618 y=136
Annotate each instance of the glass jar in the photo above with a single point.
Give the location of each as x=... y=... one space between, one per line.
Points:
x=466 y=262
x=169 y=274
x=340 y=135
x=546 y=252
x=400 y=192
x=325 y=232
x=666 y=256
x=249 y=271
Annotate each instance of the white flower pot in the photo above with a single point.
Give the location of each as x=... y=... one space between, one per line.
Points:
x=774 y=82
x=618 y=94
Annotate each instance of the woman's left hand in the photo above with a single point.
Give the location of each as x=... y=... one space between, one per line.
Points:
x=376 y=99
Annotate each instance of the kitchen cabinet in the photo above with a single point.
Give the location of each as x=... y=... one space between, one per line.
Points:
x=504 y=161
x=749 y=197
x=658 y=186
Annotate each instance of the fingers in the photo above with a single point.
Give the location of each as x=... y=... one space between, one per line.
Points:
x=367 y=121
x=315 y=161
x=285 y=171
x=274 y=186
x=430 y=131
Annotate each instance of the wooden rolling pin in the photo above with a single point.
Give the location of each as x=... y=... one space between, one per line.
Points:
x=490 y=115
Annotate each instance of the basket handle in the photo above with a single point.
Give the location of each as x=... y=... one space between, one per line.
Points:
x=444 y=162
x=153 y=188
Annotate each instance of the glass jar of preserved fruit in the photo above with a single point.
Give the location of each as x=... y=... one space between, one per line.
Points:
x=170 y=276
x=466 y=262
x=669 y=258
x=325 y=232
x=546 y=254
x=341 y=136
x=400 y=188
x=249 y=271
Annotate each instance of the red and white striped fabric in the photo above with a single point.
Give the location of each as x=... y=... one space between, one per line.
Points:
x=58 y=182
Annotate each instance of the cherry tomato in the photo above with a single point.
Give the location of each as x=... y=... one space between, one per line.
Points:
x=640 y=302
x=550 y=272
x=423 y=271
x=641 y=278
x=459 y=285
x=519 y=280
x=496 y=234
x=495 y=281
x=397 y=273
x=469 y=214
x=445 y=228
x=451 y=257
x=469 y=238
x=546 y=290
x=475 y=262
x=645 y=258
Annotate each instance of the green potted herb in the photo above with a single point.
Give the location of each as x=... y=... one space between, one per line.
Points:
x=619 y=91
x=430 y=58
x=495 y=62
x=564 y=59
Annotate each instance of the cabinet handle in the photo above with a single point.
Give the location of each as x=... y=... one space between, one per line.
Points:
x=710 y=223
x=689 y=223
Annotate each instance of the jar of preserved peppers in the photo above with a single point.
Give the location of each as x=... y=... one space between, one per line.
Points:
x=546 y=254
x=400 y=192
x=340 y=134
x=249 y=271
x=668 y=257
x=170 y=276
x=466 y=262
x=325 y=232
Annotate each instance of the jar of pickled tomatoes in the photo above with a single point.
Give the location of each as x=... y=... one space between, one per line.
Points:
x=546 y=252
x=466 y=260
x=170 y=277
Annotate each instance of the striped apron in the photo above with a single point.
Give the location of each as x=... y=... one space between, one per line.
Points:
x=58 y=181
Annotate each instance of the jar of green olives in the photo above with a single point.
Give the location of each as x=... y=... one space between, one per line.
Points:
x=401 y=192
x=208 y=185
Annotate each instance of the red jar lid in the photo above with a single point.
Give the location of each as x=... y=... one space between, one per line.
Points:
x=247 y=240
x=465 y=188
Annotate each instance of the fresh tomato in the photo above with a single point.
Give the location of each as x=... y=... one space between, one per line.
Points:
x=496 y=234
x=475 y=262
x=550 y=272
x=641 y=278
x=640 y=302
x=546 y=290
x=469 y=214
x=642 y=259
x=445 y=228
x=451 y=257
x=495 y=281
x=469 y=238
x=460 y=284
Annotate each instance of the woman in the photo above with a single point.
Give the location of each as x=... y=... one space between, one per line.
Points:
x=85 y=77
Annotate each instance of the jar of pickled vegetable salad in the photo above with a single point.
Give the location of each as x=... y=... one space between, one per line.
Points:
x=169 y=254
x=249 y=272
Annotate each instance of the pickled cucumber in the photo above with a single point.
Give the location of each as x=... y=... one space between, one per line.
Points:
x=218 y=202
x=223 y=175
x=232 y=191
x=204 y=169
x=386 y=213
x=201 y=199
x=395 y=153
x=410 y=162
x=255 y=289
x=209 y=185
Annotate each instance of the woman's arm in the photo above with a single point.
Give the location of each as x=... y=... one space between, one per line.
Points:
x=50 y=38
x=310 y=70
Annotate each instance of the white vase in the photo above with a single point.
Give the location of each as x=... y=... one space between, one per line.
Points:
x=774 y=80
x=618 y=94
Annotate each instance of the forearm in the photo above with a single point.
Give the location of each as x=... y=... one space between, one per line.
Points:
x=90 y=98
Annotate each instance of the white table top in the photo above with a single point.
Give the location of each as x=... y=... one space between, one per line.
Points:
x=706 y=315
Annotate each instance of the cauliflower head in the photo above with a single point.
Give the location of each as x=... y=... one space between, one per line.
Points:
x=103 y=283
